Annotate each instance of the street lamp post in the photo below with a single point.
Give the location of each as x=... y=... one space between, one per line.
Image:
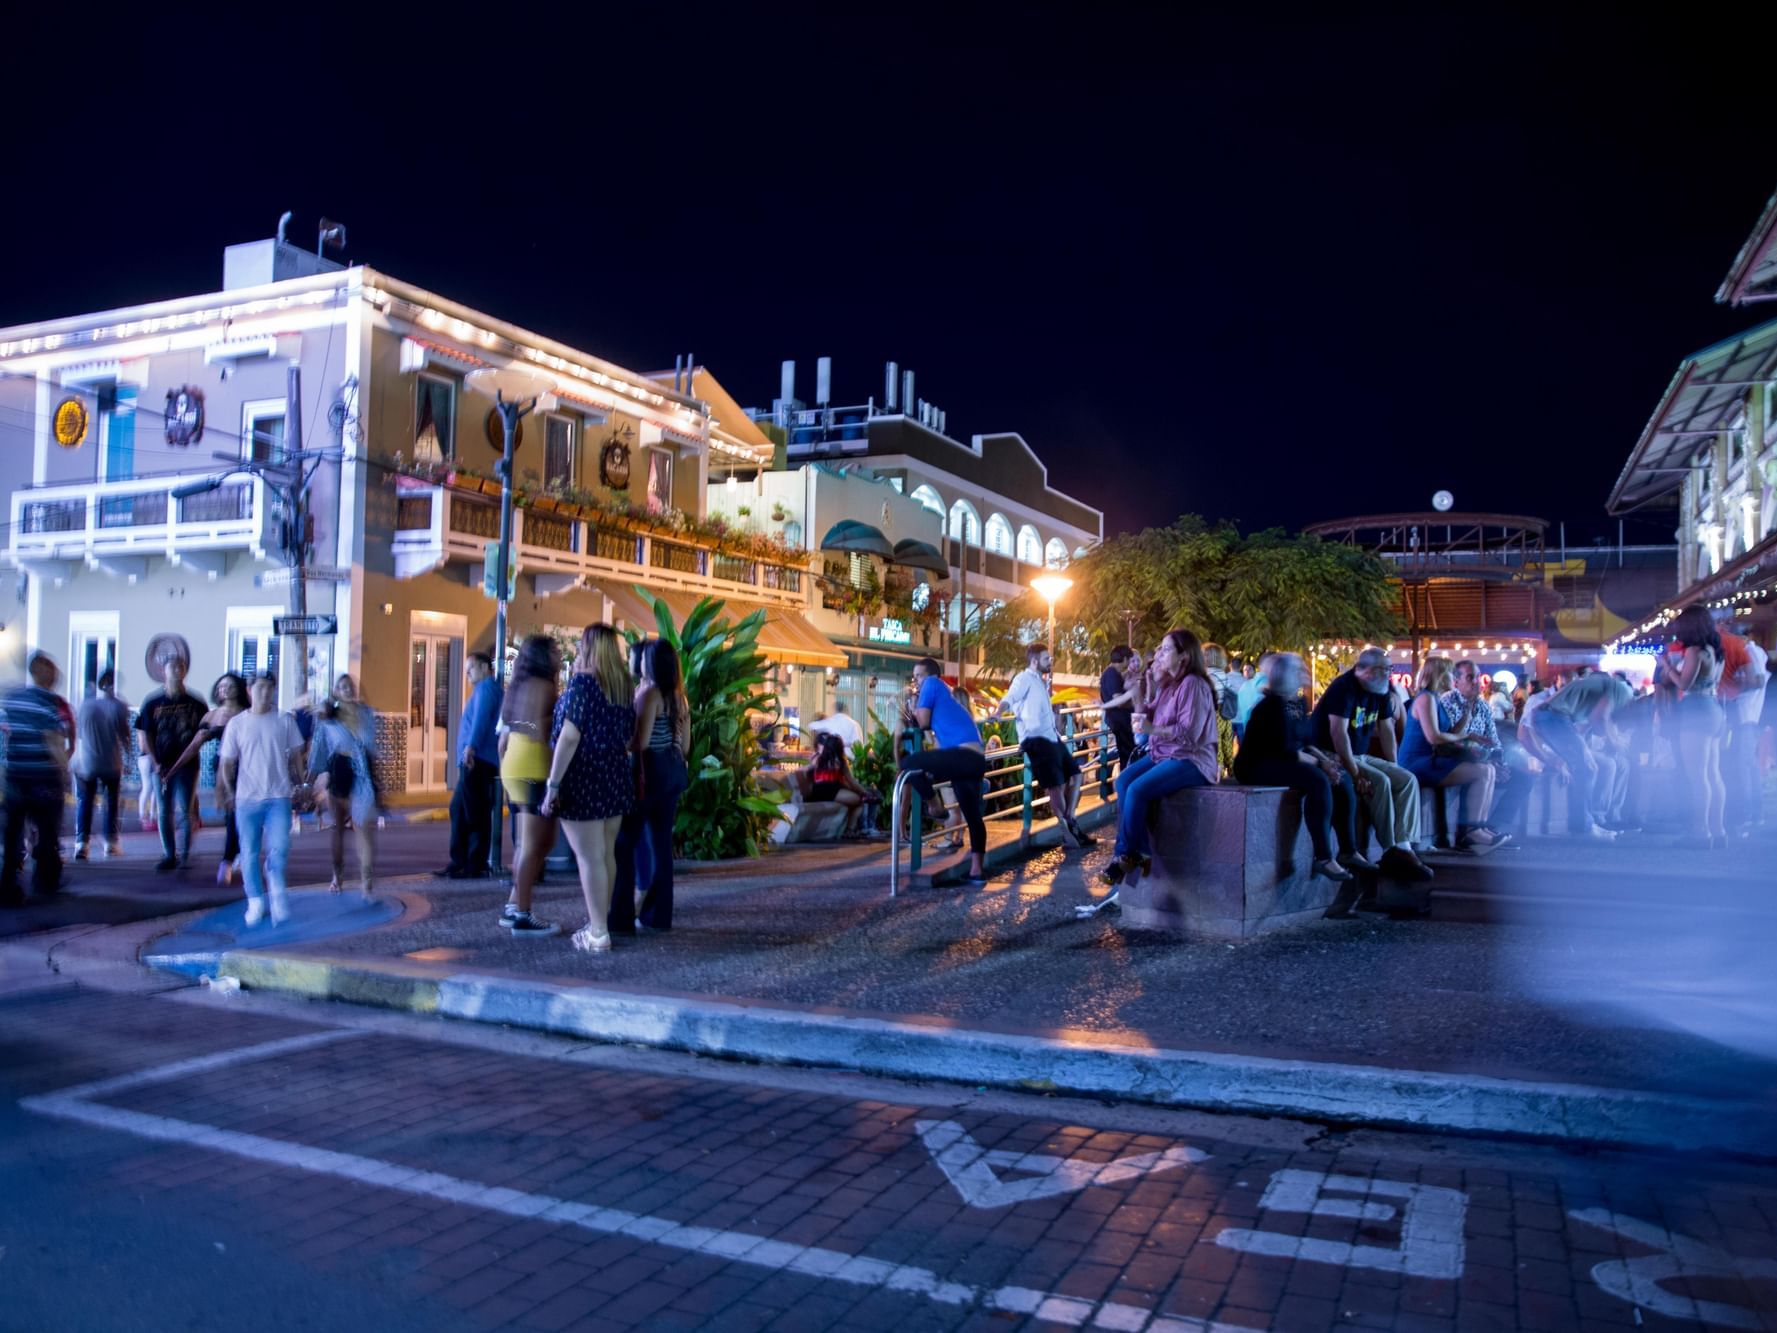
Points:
x=1051 y=586
x=516 y=393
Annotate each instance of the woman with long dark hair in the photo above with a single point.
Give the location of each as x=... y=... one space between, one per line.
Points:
x=525 y=717
x=828 y=778
x=645 y=842
x=591 y=783
x=1176 y=710
x=341 y=755
x=1701 y=724
x=228 y=696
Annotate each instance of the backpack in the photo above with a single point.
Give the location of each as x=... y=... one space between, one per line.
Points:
x=1227 y=700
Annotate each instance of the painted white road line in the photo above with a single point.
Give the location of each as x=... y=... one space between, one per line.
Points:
x=973 y=1170
x=812 y=1261
x=1431 y=1224
x=203 y=1064
x=1675 y=1255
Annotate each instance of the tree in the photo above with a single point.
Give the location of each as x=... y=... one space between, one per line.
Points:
x=1270 y=590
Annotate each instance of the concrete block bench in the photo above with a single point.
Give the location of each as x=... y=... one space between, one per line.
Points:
x=1229 y=862
x=799 y=820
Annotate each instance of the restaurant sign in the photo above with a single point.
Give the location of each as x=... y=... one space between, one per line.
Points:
x=890 y=631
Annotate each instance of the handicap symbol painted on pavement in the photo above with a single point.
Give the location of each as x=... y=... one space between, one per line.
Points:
x=975 y=1171
x=1431 y=1216
x=1638 y=1280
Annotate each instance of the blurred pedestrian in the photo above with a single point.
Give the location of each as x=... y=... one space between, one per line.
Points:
x=525 y=717
x=842 y=724
x=341 y=757
x=662 y=742
x=478 y=771
x=1558 y=728
x=1277 y=750
x=1701 y=725
x=259 y=764
x=591 y=782
x=1227 y=687
x=228 y=699
x=36 y=781
x=169 y=720
x=103 y=741
x=1745 y=673
x=1252 y=689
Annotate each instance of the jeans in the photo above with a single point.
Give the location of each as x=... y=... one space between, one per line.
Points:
x=40 y=807
x=176 y=795
x=85 y=791
x=647 y=831
x=471 y=817
x=1138 y=787
x=966 y=772
x=1321 y=804
x=265 y=828
x=1589 y=796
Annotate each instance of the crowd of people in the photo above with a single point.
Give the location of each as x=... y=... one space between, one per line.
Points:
x=264 y=759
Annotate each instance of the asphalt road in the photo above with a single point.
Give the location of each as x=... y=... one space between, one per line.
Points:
x=179 y=1161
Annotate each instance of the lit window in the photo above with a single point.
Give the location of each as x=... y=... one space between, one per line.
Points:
x=1055 y=554
x=930 y=499
x=558 y=451
x=999 y=535
x=965 y=524
x=434 y=417
x=1030 y=546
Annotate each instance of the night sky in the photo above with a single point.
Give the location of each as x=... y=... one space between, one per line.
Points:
x=1274 y=273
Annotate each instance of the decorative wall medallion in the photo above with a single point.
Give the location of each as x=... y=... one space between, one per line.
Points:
x=185 y=416
x=614 y=465
x=70 y=423
x=496 y=432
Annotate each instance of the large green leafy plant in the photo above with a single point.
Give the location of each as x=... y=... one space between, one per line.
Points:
x=722 y=813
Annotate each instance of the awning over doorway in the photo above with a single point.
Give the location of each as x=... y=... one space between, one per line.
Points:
x=786 y=635
x=915 y=554
x=851 y=535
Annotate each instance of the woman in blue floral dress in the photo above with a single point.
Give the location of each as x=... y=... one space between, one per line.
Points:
x=591 y=779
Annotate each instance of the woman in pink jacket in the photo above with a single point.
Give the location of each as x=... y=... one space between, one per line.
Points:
x=1179 y=701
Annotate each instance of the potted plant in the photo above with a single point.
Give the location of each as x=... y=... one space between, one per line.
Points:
x=744 y=511
x=779 y=513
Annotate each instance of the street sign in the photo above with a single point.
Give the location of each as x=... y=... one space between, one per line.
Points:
x=274 y=578
x=490 y=573
x=282 y=625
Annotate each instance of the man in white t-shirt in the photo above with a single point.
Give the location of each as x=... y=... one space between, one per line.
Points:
x=1052 y=765
x=261 y=761
x=840 y=724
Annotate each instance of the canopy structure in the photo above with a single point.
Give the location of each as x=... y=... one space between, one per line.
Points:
x=1706 y=397
x=851 y=535
x=915 y=554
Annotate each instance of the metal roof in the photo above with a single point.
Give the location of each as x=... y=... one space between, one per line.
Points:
x=1754 y=274
x=1706 y=397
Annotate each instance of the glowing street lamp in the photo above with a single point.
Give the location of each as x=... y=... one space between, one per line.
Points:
x=515 y=392
x=1051 y=586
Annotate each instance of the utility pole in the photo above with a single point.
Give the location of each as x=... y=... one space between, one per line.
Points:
x=295 y=525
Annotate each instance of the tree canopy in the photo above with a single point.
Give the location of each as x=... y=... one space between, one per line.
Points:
x=1267 y=590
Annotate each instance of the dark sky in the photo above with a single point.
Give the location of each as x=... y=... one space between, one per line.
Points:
x=1272 y=272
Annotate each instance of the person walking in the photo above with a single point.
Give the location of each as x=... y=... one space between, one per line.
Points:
x=1702 y=722
x=340 y=760
x=478 y=772
x=1436 y=750
x=959 y=759
x=36 y=781
x=1176 y=711
x=1053 y=766
x=228 y=697
x=1745 y=674
x=1116 y=694
x=525 y=716
x=103 y=741
x=1354 y=710
x=662 y=742
x=1277 y=750
x=170 y=719
x=841 y=724
x=591 y=782
x=258 y=767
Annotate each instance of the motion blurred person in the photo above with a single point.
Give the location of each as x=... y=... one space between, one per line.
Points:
x=662 y=743
x=1556 y=729
x=170 y=718
x=36 y=781
x=341 y=757
x=1353 y=714
x=525 y=718
x=1745 y=673
x=1701 y=724
x=228 y=698
x=1277 y=750
x=104 y=740
x=1252 y=689
x=1116 y=693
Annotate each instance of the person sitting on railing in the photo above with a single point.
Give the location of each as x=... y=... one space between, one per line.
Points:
x=1276 y=750
x=960 y=759
x=828 y=778
x=1176 y=711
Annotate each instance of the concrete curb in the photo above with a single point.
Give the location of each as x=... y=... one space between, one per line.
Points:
x=1346 y=1094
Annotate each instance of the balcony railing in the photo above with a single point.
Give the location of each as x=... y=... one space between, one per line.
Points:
x=434 y=524
x=139 y=517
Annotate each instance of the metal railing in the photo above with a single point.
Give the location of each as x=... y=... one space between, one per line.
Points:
x=1092 y=748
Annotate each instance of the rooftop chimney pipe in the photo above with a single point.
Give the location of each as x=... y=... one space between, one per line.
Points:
x=889 y=386
x=907 y=402
x=823 y=381
x=787 y=388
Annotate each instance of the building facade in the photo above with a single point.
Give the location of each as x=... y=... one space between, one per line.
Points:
x=128 y=407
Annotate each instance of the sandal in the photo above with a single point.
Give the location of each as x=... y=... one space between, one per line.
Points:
x=334 y=886
x=587 y=942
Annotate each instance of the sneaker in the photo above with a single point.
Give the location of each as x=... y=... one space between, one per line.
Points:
x=587 y=942
x=508 y=914
x=167 y=863
x=280 y=911
x=255 y=911
x=1602 y=834
x=526 y=926
x=80 y=851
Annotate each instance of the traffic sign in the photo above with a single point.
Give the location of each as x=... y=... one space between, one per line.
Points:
x=274 y=578
x=282 y=625
x=490 y=573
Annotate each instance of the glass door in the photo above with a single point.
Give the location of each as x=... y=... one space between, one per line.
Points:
x=431 y=711
x=95 y=653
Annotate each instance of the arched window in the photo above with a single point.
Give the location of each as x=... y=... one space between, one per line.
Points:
x=1030 y=546
x=999 y=535
x=965 y=524
x=930 y=499
x=1055 y=554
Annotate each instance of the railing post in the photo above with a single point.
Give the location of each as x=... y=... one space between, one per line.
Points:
x=1027 y=790
x=916 y=827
